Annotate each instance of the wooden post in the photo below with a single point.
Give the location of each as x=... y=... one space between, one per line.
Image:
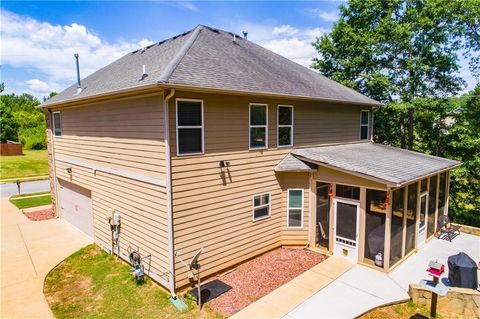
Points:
x=433 y=306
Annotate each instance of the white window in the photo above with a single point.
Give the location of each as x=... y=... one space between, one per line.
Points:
x=258 y=131
x=57 y=124
x=285 y=125
x=295 y=208
x=261 y=206
x=189 y=127
x=364 y=124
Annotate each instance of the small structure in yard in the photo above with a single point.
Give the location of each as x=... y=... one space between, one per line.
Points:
x=11 y=149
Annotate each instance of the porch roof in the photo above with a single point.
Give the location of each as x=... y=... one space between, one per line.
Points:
x=393 y=166
x=292 y=164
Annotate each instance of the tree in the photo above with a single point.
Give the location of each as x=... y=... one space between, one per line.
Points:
x=393 y=51
x=463 y=144
x=21 y=121
x=9 y=126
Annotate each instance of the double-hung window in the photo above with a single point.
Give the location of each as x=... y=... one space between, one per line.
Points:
x=189 y=127
x=57 y=124
x=261 y=206
x=295 y=208
x=364 y=124
x=285 y=125
x=258 y=134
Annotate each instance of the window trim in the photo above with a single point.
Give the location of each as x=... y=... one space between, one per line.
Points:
x=53 y=124
x=367 y=125
x=269 y=205
x=283 y=125
x=189 y=126
x=288 y=208
x=250 y=148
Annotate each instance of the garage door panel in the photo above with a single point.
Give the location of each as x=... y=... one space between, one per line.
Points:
x=76 y=206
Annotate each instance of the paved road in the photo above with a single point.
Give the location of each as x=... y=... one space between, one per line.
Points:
x=9 y=189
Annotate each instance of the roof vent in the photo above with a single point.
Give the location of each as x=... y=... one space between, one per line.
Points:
x=245 y=34
x=234 y=37
x=79 y=86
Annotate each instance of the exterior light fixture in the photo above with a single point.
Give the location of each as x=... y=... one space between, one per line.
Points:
x=69 y=170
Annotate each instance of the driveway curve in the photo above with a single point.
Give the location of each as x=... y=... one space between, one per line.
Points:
x=29 y=250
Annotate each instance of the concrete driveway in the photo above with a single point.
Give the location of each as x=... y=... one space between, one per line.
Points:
x=29 y=250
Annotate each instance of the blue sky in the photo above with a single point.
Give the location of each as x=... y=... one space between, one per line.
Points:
x=40 y=37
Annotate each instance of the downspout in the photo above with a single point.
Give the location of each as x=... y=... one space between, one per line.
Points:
x=54 y=167
x=168 y=178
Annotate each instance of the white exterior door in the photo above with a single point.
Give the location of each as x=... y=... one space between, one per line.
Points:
x=346 y=229
x=422 y=220
x=76 y=206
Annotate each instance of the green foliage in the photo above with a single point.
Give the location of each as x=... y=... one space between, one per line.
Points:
x=393 y=51
x=463 y=144
x=22 y=122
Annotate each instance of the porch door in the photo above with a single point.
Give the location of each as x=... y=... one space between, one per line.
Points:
x=422 y=227
x=346 y=229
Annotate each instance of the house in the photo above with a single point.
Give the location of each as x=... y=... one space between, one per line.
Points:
x=207 y=140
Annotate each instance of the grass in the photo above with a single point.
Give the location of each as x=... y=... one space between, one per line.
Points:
x=92 y=284
x=28 y=202
x=400 y=311
x=32 y=163
x=30 y=194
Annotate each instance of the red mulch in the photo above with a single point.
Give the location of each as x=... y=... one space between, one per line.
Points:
x=38 y=215
x=260 y=276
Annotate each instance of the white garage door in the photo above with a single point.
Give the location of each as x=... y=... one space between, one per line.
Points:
x=76 y=206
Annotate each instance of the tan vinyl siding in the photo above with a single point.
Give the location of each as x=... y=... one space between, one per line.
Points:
x=330 y=175
x=125 y=134
x=212 y=207
x=295 y=236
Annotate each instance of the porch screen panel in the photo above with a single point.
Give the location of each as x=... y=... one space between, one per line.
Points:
x=323 y=215
x=346 y=191
x=396 y=232
x=432 y=205
x=442 y=190
x=411 y=217
x=347 y=221
x=376 y=210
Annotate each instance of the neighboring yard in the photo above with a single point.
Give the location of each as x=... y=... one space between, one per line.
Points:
x=92 y=284
x=31 y=200
x=32 y=163
x=400 y=311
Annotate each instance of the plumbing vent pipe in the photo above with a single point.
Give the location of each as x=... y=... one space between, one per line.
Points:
x=79 y=86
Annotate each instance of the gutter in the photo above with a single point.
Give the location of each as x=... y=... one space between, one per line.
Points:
x=168 y=180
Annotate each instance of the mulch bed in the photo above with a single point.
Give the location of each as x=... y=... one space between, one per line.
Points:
x=260 y=276
x=42 y=214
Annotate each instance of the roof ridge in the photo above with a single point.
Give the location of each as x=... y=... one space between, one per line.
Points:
x=168 y=71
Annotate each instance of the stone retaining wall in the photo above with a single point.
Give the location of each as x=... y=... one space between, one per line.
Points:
x=469 y=229
x=458 y=303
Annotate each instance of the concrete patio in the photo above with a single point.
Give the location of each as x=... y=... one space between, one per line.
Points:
x=345 y=290
x=29 y=250
x=361 y=288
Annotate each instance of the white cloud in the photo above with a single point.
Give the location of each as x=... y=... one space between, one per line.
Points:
x=291 y=42
x=47 y=50
x=39 y=88
x=328 y=16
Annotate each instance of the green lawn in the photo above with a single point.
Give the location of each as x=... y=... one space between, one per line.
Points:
x=92 y=284
x=32 y=163
x=28 y=202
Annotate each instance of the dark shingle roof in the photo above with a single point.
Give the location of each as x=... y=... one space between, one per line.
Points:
x=393 y=166
x=209 y=58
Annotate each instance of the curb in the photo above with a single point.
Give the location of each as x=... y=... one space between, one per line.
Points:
x=24 y=179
